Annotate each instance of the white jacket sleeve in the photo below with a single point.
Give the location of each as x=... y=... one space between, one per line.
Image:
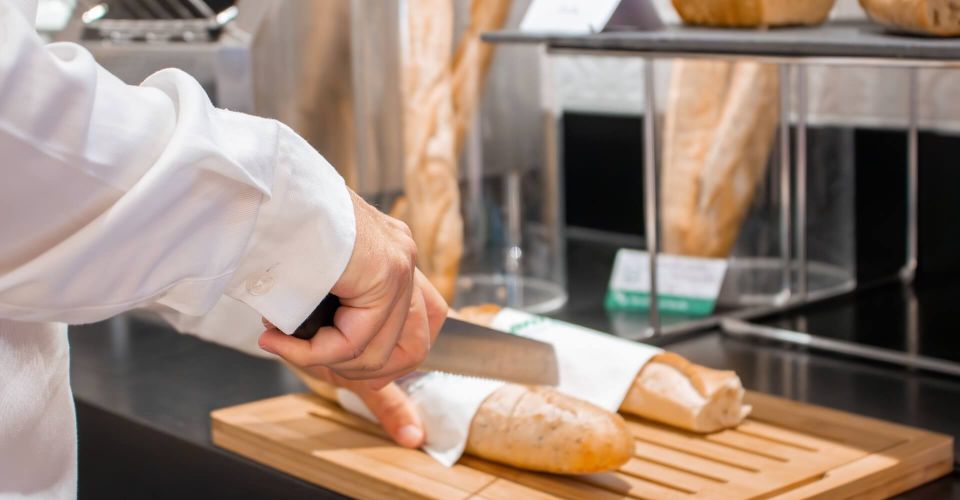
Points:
x=115 y=196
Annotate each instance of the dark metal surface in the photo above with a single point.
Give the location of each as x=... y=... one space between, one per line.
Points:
x=859 y=39
x=145 y=393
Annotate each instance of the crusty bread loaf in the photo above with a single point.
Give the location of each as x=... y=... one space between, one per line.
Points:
x=736 y=160
x=541 y=429
x=928 y=17
x=670 y=389
x=441 y=91
x=697 y=92
x=753 y=13
x=472 y=61
x=430 y=166
x=538 y=429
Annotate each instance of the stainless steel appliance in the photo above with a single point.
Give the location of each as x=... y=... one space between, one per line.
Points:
x=210 y=39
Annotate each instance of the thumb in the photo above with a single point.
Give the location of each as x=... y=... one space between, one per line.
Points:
x=396 y=413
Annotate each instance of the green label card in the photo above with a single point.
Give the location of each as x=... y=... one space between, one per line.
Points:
x=686 y=285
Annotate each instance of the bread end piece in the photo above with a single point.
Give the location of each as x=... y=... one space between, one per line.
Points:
x=541 y=429
x=676 y=392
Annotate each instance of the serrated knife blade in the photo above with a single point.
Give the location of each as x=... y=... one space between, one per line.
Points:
x=466 y=348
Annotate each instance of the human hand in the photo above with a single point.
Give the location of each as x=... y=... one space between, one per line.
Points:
x=389 y=312
x=393 y=409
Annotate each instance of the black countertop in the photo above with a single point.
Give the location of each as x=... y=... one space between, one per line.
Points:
x=845 y=39
x=144 y=392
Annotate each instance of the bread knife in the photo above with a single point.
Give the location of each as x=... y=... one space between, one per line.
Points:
x=466 y=348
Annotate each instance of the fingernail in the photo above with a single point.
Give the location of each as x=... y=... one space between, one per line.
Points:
x=410 y=436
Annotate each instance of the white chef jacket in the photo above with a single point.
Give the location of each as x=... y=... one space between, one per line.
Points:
x=114 y=197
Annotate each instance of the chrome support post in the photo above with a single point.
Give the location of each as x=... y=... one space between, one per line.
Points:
x=650 y=192
x=786 y=201
x=801 y=225
x=909 y=269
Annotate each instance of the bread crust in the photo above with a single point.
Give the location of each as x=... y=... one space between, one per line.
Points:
x=430 y=166
x=753 y=13
x=928 y=17
x=736 y=160
x=695 y=102
x=541 y=429
x=674 y=391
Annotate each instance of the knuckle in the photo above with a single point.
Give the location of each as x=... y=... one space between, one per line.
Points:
x=403 y=269
x=351 y=376
x=351 y=351
x=373 y=365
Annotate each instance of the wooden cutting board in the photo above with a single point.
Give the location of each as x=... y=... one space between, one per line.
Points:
x=784 y=450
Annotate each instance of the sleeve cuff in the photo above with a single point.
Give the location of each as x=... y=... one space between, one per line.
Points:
x=302 y=240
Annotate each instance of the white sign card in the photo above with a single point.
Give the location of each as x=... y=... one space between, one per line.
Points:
x=583 y=17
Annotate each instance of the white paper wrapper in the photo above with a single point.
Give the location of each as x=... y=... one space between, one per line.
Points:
x=593 y=366
x=447 y=404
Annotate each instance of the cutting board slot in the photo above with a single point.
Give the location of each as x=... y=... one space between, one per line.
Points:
x=708 y=453
x=748 y=444
x=753 y=431
x=677 y=482
x=686 y=470
x=784 y=450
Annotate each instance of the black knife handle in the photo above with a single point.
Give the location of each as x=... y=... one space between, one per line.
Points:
x=320 y=317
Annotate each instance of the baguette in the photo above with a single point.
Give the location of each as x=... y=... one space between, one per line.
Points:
x=472 y=61
x=671 y=390
x=441 y=93
x=753 y=13
x=430 y=166
x=698 y=89
x=927 y=17
x=536 y=428
x=737 y=159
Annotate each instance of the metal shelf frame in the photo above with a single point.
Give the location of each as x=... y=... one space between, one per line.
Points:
x=877 y=49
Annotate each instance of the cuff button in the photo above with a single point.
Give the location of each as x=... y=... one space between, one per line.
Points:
x=260 y=284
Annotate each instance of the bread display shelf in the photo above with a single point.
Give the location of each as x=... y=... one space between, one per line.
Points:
x=784 y=450
x=834 y=40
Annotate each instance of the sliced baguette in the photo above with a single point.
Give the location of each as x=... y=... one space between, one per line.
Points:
x=536 y=428
x=928 y=17
x=671 y=389
x=753 y=13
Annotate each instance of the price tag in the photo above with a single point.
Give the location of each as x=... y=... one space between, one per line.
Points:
x=581 y=17
x=686 y=285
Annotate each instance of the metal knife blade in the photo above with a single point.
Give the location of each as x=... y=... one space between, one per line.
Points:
x=466 y=348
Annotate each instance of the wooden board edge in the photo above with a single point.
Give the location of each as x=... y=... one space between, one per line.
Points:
x=339 y=478
x=812 y=410
x=918 y=462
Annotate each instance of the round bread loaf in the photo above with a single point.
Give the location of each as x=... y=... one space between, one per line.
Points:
x=753 y=13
